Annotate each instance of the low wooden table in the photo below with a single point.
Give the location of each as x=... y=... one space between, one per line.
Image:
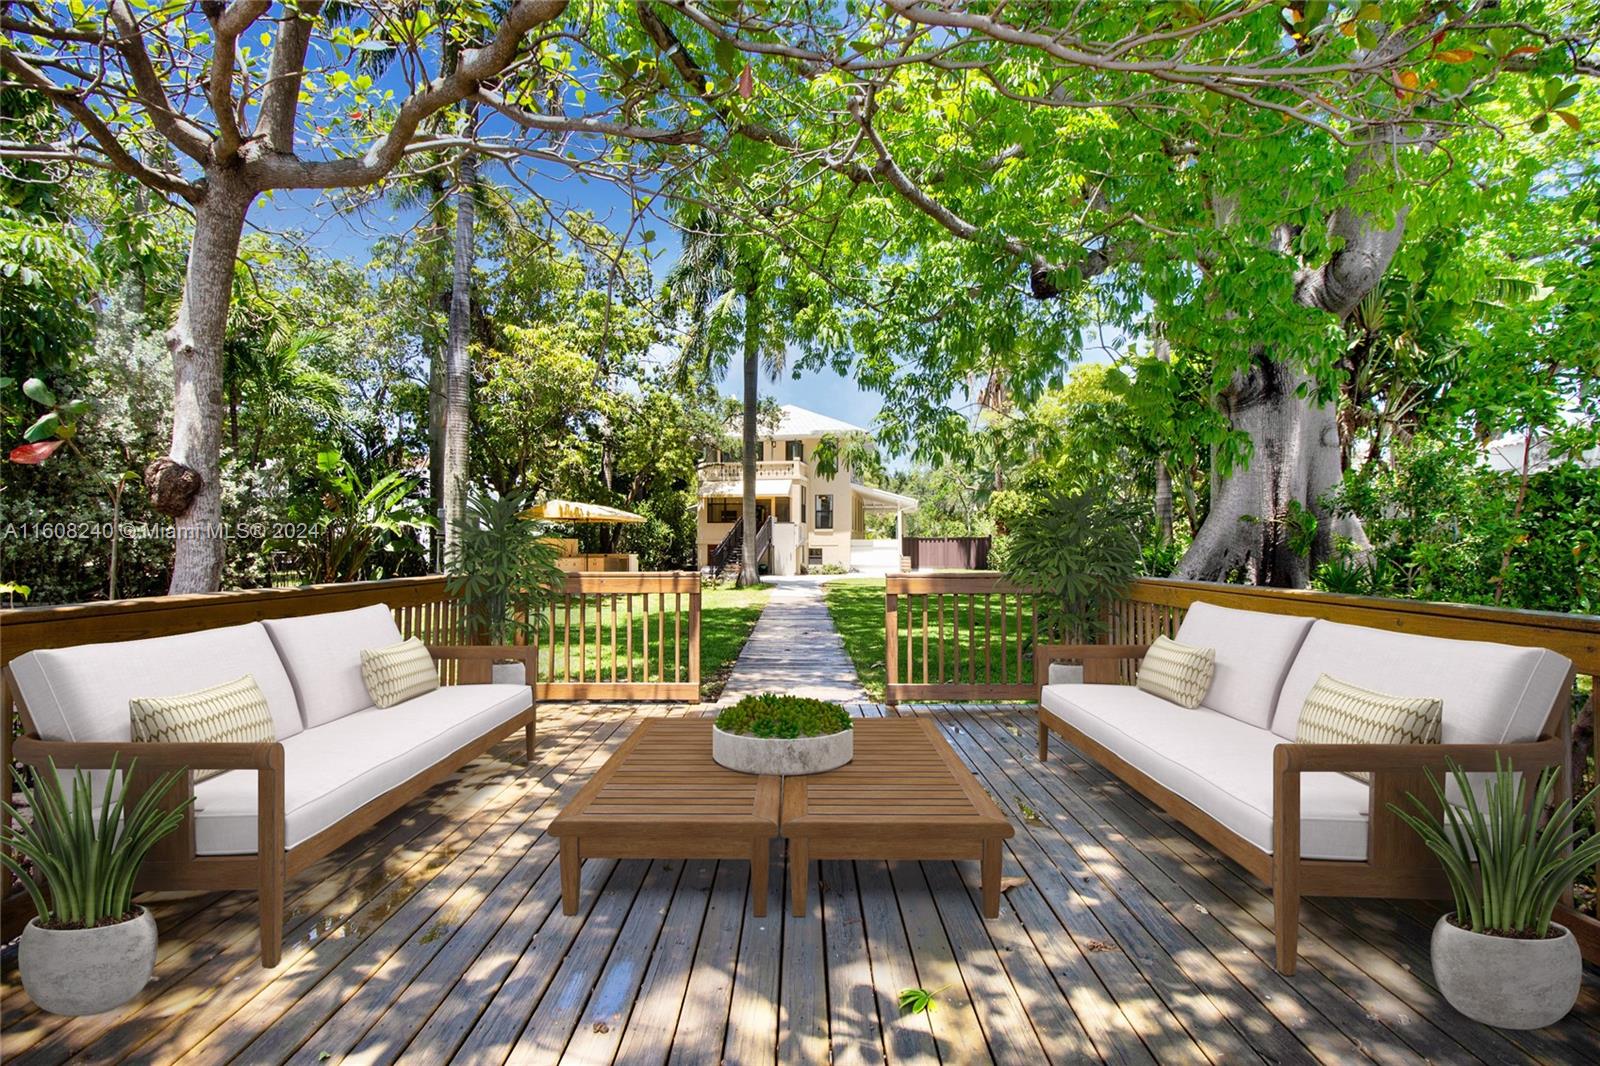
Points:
x=905 y=795
x=662 y=797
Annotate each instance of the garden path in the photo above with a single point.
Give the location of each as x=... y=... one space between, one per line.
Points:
x=794 y=649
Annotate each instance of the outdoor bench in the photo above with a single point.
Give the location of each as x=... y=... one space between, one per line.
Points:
x=338 y=764
x=1290 y=813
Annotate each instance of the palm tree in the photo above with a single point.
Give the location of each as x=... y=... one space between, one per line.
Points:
x=721 y=285
x=273 y=381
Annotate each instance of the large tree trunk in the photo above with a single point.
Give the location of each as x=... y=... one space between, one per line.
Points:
x=195 y=341
x=749 y=569
x=1295 y=440
x=458 y=358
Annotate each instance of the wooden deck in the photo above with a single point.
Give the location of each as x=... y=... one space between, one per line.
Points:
x=439 y=937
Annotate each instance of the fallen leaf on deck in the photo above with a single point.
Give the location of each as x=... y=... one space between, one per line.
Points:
x=1008 y=883
x=1098 y=945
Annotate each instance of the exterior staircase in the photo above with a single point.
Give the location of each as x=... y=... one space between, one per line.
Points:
x=725 y=559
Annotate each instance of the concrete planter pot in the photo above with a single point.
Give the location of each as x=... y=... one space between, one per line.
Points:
x=87 y=971
x=508 y=673
x=788 y=758
x=1506 y=982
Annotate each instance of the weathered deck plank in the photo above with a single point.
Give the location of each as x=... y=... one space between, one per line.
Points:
x=439 y=937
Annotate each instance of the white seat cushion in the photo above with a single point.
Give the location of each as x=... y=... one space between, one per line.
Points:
x=1221 y=765
x=333 y=769
x=82 y=693
x=1492 y=693
x=322 y=654
x=1254 y=650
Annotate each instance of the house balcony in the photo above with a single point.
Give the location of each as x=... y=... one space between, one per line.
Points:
x=773 y=477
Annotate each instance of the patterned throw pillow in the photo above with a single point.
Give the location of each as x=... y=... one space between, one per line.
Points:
x=235 y=712
x=1336 y=712
x=1177 y=672
x=399 y=672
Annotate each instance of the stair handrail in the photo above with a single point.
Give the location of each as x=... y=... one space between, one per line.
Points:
x=717 y=558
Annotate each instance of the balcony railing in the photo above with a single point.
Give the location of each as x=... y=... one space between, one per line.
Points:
x=790 y=469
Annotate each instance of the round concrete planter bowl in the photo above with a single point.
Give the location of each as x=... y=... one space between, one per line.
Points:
x=87 y=971
x=1507 y=982
x=785 y=757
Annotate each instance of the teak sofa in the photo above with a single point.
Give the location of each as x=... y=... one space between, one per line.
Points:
x=338 y=766
x=1287 y=812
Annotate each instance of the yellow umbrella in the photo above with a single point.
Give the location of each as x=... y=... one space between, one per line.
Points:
x=573 y=511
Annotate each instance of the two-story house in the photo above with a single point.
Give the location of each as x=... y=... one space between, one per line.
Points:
x=816 y=521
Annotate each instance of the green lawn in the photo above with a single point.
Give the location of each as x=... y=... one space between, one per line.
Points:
x=726 y=617
x=856 y=605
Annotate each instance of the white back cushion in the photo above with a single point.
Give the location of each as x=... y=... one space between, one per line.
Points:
x=82 y=693
x=1492 y=693
x=1254 y=650
x=322 y=653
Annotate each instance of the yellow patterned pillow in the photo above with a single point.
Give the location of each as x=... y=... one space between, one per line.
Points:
x=235 y=712
x=1336 y=712
x=1177 y=672
x=399 y=672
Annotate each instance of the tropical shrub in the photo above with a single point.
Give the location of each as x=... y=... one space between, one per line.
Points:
x=1075 y=542
x=504 y=569
x=78 y=866
x=775 y=716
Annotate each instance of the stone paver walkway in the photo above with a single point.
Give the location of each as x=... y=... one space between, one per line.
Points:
x=794 y=649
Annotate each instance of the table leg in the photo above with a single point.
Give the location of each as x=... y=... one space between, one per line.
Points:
x=571 y=865
x=799 y=874
x=760 y=866
x=991 y=878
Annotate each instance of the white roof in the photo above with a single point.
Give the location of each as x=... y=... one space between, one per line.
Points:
x=1506 y=454
x=798 y=423
x=882 y=499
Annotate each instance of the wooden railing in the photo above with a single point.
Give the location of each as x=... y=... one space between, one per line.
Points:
x=622 y=637
x=959 y=635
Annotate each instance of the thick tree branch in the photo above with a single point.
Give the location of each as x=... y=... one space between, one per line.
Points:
x=226 y=27
x=476 y=66
x=280 y=101
x=184 y=134
x=104 y=139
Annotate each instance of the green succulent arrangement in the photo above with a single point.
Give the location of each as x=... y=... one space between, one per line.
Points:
x=1506 y=861
x=87 y=863
x=776 y=717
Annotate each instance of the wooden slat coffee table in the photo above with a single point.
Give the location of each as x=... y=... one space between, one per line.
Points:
x=905 y=795
x=660 y=796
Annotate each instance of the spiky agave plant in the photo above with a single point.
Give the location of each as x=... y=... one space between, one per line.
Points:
x=1506 y=861
x=86 y=864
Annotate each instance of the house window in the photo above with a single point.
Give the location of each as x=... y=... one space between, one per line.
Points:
x=724 y=509
x=794 y=449
x=802 y=505
x=824 y=511
x=813 y=556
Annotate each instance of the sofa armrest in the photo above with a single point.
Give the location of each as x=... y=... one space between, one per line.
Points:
x=97 y=755
x=1100 y=661
x=474 y=660
x=1373 y=758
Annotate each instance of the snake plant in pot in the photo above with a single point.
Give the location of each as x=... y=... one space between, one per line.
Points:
x=1498 y=957
x=90 y=948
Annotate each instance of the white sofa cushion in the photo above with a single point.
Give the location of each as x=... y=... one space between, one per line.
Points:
x=83 y=693
x=1254 y=650
x=1221 y=765
x=322 y=653
x=1492 y=693
x=332 y=770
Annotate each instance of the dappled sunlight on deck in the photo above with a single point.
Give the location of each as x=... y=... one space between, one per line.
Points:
x=439 y=935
